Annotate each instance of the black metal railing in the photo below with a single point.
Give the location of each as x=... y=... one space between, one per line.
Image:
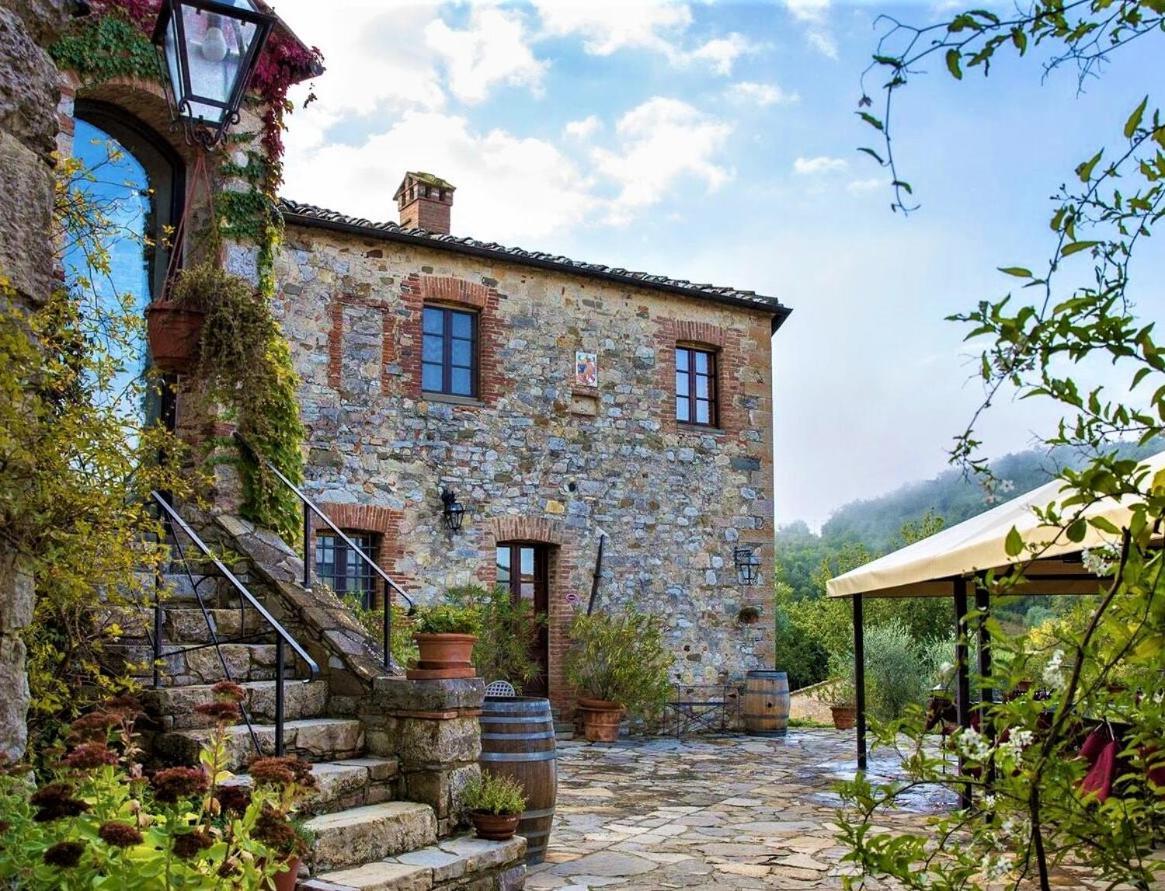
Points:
x=309 y=508
x=173 y=522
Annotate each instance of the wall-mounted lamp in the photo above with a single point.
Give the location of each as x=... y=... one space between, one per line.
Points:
x=454 y=510
x=747 y=565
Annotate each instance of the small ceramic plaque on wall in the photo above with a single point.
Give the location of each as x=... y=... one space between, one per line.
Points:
x=586 y=369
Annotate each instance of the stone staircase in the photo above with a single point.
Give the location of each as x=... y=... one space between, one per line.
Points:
x=366 y=837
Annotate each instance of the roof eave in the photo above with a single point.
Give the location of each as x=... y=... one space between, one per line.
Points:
x=778 y=310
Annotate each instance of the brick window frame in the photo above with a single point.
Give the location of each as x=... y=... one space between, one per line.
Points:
x=370 y=519
x=725 y=344
x=418 y=291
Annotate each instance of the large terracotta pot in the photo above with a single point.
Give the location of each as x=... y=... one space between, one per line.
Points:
x=495 y=827
x=443 y=657
x=601 y=724
x=286 y=880
x=844 y=716
x=174 y=333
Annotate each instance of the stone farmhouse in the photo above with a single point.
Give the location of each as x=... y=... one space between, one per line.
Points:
x=563 y=403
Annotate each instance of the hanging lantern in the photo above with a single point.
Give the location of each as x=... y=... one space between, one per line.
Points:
x=454 y=510
x=209 y=50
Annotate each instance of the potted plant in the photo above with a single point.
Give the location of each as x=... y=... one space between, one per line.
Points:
x=495 y=805
x=840 y=693
x=619 y=664
x=445 y=634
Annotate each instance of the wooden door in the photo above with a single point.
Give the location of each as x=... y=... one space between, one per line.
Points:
x=523 y=568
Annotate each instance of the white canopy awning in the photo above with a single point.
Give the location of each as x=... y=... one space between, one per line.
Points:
x=928 y=568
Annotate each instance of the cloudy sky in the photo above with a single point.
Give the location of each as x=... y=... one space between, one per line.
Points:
x=717 y=142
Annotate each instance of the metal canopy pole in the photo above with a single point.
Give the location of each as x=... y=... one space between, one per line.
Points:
x=860 y=679
x=962 y=676
x=987 y=692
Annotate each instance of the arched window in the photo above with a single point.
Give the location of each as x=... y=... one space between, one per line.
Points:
x=133 y=183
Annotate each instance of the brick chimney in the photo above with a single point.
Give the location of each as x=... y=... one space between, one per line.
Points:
x=424 y=201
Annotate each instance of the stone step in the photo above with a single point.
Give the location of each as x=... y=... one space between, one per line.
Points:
x=183 y=666
x=351 y=783
x=313 y=739
x=189 y=625
x=462 y=862
x=360 y=835
x=173 y=707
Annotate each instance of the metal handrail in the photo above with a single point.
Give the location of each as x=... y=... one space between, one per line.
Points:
x=282 y=636
x=309 y=508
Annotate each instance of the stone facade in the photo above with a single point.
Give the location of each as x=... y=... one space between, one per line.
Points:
x=536 y=458
x=28 y=129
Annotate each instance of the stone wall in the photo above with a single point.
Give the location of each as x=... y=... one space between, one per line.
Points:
x=28 y=129
x=537 y=458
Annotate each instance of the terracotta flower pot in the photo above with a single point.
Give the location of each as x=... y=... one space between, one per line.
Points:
x=584 y=702
x=174 y=333
x=495 y=827
x=286 y=880
x=443 y=656
x=844 y=716
x=601 y=724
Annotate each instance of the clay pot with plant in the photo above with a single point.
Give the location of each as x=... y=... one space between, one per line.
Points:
x=840 y=693
x=619 y=665
x=495 y=804
x=445 y=634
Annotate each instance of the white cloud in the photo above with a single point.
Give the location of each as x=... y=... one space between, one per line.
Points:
x=858 y=186
x=583 y=129
x=606 y=28
x=491 y=170
x=761 y=94
x=823 y=42
x=818 y=165
x=721 y=52
x=660 y=142
x=808 y=10
x=492 y=50
x=609 y=27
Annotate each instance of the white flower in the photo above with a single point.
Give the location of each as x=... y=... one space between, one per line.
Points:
x=1014 y=745
x=973 y=745
x=1053 y=671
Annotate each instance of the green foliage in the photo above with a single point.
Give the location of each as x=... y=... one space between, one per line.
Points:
x=404 y=648
x=106 y=47
x=447 y=618
x=94 y=822
x=621 y=658
x=245 y=365
x=492 y=793
x=1101 y=663
x=894 y=679
x=509 y=631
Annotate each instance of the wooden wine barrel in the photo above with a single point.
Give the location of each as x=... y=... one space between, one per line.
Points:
x=517 y=740
x=766 y=703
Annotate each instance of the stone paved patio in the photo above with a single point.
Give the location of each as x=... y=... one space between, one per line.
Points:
x=707 y=812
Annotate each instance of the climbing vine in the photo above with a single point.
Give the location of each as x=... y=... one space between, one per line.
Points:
x=114 y=41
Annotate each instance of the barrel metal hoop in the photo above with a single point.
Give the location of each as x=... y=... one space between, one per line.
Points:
x=494 y=719
x=534 y=815
x=515 y=736
x=540 y=834
x=519 y=756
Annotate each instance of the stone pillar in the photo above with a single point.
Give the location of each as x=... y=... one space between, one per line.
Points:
x=431 y=728
x=28 y=130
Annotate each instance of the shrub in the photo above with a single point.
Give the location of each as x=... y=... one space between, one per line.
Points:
x=621 y=658
x=96 y=822
x=494 y=794
x=895 y=675
x=447 y=618
x=404 y=648
x=509 y=630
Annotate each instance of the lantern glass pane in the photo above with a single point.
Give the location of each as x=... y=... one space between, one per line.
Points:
x=216 y=46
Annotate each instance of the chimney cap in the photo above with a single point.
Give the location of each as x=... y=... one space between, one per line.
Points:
x=421 y=176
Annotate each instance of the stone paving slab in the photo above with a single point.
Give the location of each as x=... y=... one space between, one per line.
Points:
x=729 y=812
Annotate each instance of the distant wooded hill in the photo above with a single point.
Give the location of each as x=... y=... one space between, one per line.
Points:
x=877 y=523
